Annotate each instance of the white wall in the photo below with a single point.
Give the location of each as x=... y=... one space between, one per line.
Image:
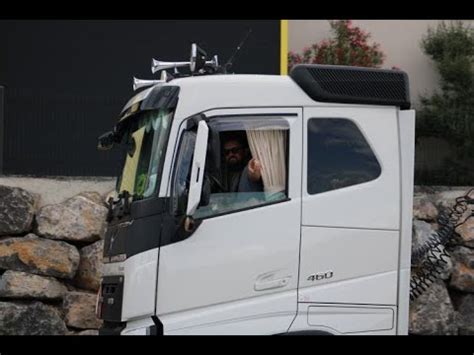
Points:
x=56 y=190
x=398 y=39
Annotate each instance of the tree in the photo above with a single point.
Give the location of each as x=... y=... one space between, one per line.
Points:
x=349 y=46
x=449 y=113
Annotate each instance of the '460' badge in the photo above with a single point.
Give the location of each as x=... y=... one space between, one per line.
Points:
x=320 y=276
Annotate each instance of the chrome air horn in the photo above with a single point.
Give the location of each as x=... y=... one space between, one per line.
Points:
x=196 y=63
x=157 y=65
x=140 y=83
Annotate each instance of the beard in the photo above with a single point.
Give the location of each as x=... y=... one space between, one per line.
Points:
x=235 y=164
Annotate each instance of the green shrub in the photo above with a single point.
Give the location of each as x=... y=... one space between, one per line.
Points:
x=449 y=112
x=348 y=46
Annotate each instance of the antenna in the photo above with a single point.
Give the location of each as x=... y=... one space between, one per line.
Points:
x=231 y=59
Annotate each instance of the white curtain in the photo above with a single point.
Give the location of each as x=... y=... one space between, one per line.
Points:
x=268 y=145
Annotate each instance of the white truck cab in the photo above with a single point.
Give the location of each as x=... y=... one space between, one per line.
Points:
x=320 y=246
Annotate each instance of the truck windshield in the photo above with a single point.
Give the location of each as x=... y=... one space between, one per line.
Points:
x=144 y=143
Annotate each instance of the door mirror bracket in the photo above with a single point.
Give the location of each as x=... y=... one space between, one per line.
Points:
x=189 y=224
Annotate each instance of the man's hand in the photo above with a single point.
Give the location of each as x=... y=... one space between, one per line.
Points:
x=255 y=170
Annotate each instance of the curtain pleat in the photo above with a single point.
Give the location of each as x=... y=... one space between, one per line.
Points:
x=269 y=147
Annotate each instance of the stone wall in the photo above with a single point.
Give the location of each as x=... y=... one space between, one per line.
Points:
x=447 y=306
x=50 y=265
x=56 y=189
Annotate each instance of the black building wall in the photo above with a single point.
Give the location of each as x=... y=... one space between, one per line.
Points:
x=65 y=81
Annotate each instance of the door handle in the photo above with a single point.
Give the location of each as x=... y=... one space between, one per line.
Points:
x=266 y=282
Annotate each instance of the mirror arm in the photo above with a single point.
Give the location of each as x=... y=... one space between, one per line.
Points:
x=189 y=224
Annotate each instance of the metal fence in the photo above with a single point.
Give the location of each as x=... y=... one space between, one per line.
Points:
x=51 y=134
x=66 y=81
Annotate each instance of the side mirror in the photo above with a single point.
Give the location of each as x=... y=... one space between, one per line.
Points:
x=197 y=168
x=106 y=141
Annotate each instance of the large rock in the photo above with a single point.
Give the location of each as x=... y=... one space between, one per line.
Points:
x=462 y=277
x=80 y=310
x=466 y=312
x=466 y=231
x=422 y=232
x=89 y=332
x=71 y=287
x=17 y=210
x=30 y=319
x=433 y=313
x=80 y=218
x=90 y=268
x=445 y=199
x=424 y=209
x=17 y=284
x=93 y=196
x=39 y=256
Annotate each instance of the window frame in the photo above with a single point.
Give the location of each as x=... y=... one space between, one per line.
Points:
x=175 y=211
x=184 y=127
x=122 y=160
x=367 y=141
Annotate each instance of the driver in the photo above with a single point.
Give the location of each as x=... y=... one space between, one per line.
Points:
x=241 y=173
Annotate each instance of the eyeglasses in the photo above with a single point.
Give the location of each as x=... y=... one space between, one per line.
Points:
x=234 y=150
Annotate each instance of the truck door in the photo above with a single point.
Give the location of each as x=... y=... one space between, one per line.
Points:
x=350 y=219
x=237 y=272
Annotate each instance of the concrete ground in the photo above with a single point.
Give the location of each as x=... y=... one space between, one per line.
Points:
x=57 y=189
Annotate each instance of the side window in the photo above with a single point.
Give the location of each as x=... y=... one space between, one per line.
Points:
x=246 y=164
x=338 y=155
